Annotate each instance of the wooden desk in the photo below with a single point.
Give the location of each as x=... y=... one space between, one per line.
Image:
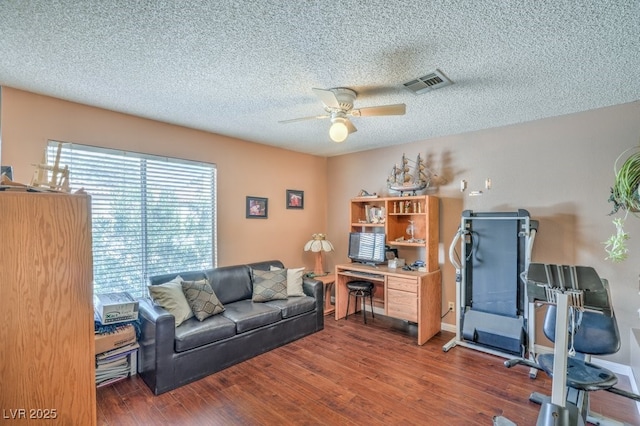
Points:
x=328 y=282
x=409 y=295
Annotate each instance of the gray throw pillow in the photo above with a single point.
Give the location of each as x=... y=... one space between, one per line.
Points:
x=269 y=285
x=203 y=301
x=171 y=297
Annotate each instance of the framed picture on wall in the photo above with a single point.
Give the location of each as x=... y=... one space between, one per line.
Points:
x=295 y=199
x=257 y=207
x=7 y=171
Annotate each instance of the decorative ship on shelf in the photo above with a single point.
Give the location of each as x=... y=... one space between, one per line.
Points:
x=409 y=176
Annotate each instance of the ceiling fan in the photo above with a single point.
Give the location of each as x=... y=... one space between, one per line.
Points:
x=338 y=104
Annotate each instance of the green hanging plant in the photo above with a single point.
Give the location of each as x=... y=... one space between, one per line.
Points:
x=616 y=245
x=624 y=196
x=624 y=193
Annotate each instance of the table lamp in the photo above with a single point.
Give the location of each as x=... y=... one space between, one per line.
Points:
x=318 y=244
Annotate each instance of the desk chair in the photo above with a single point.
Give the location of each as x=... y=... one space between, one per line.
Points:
x=360 y=288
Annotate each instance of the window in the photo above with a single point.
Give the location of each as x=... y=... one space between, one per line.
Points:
x=150 y=215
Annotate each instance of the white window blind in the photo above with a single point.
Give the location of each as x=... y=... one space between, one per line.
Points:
x=150 y=215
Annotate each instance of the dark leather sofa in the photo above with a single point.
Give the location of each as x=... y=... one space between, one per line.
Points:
x=171 y=356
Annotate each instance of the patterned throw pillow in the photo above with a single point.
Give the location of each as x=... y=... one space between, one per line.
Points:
x=170 y=296
x=203 y=301
x=294 y=281
x=269 y=285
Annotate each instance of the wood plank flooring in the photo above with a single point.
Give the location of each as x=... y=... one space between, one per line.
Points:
x=349 y=374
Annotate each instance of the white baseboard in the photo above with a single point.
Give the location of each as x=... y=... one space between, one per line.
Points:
x=448 y=327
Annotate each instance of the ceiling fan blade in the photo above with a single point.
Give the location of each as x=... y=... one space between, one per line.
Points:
x=327 y=97
x=313 y=117
x=350 y=127
x=397 y=109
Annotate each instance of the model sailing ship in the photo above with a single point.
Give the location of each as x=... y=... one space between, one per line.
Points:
x=409 y=176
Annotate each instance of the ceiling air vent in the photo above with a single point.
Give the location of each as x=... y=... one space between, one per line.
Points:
x=432 y=81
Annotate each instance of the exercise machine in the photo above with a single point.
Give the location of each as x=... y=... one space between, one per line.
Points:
x=492 y=308
x=581 y=322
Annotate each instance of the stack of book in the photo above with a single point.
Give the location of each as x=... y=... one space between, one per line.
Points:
x=116 y=364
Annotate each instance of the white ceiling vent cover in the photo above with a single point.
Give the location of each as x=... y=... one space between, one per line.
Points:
x=432 y=81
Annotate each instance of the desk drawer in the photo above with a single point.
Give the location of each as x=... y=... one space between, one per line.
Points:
x=402 y=304
x=404 y=284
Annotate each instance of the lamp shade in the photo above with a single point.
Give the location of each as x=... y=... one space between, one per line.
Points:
x=318 y=244
x=338 y=131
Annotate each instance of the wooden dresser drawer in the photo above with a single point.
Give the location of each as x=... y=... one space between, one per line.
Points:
x=404 y=284
x=402 y=304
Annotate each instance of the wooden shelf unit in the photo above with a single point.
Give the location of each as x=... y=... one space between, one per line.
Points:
x=46 y=309
x=396 y=212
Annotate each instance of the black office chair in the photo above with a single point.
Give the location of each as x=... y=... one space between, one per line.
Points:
x=361 y=289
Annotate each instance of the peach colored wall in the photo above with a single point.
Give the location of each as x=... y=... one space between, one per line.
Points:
x=560 y=169
x=244 y=168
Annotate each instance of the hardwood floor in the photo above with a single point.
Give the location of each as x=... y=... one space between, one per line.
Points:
x=349 y=374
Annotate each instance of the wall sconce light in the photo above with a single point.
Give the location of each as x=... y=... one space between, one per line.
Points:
x=487 y=186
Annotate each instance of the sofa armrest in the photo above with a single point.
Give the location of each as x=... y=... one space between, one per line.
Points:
x=315 y=289
x=157 y=338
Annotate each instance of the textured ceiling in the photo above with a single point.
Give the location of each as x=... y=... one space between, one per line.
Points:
x=238 y=67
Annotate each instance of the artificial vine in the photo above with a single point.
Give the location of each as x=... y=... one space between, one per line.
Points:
x=616 y=245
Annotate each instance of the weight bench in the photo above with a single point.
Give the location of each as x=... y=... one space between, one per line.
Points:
x=581 y=322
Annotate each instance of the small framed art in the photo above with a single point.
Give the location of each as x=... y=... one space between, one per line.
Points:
x=257 y=207
x=295 y=199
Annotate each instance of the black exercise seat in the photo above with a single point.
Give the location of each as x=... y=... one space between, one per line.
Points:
x=581 y=375
x=597 y=335
x=360 y=288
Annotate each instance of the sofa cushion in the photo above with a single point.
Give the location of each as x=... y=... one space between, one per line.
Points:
x=203 y=301
x=170 y=296
x=193 y=333
x=231 y=283
x=294 y=305
x=269 y=285
x=248 y=315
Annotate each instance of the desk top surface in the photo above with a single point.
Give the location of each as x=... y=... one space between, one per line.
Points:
x=379 y=270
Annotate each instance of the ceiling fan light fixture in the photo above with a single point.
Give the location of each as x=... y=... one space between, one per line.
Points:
x=338 y=131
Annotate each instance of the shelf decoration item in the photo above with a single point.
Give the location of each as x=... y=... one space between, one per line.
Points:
x=318 y=244
x=624 y=196
x=409 y=176
x=51 y=177
x=411 y=229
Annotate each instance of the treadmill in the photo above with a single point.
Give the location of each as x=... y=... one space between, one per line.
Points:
x=492 y=306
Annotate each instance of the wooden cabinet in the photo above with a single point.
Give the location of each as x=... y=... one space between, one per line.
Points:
x=46 y=309
x=402 y=298
x=392 y=215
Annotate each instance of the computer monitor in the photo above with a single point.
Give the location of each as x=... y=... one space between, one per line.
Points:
x=367 y=247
